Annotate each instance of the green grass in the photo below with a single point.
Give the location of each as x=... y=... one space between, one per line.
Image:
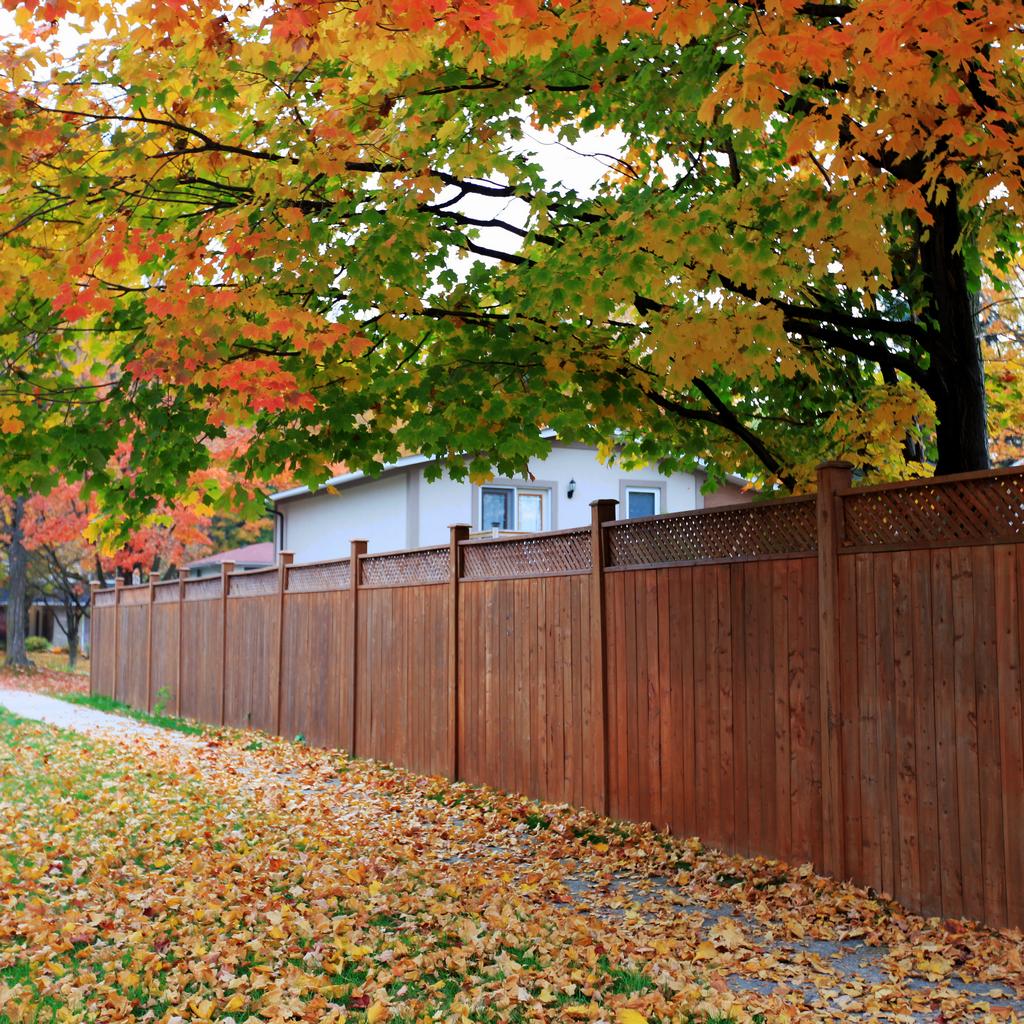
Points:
x=104 y=703
x=52 y=661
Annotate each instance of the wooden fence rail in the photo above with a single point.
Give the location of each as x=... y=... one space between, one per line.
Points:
x=834 y=679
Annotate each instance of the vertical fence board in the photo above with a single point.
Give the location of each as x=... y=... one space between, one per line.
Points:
x=201 y=655
x=250 y=665
x=781 y=715
x=885 y=734
x=1011 y=750
x=165 y=654
x=993 y=855
x=132 y=629
x=965 y=712
x=865 y=727
x=946 y=754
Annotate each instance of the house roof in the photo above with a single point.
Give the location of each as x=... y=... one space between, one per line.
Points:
x=40 y=600
x=250 y=554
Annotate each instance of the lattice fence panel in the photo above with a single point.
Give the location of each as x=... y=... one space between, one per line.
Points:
x=103 y=598
x=428 y=565
x=198 y=590
x=319 y=576
x=135 y=595
x=165 y=593
x=940 y=512
x=746 y=531
x=250 y=584
x=527 y=556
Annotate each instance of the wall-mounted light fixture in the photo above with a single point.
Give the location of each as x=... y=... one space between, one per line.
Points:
x=572 y=489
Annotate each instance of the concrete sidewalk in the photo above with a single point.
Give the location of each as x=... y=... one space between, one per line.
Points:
x=82 y=719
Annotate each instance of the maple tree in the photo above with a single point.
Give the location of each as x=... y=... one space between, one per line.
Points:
x=58 y=531
x=323 y=222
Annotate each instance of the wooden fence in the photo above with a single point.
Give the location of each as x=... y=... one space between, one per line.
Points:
x=834 y=679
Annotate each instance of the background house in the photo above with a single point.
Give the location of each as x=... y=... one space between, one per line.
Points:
x=401 y=509
x=46 y=618
x=250 y=556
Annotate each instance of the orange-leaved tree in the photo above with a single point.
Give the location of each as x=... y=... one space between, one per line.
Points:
x=65 y=556
x=329 y=223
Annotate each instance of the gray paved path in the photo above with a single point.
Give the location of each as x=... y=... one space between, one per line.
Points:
x=83 y=719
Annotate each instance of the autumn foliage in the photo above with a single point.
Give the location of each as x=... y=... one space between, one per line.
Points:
x=328 y=223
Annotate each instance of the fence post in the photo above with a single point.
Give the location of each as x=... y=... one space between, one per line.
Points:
x=284 y=559
x=118 y=587
x=182 y=576
x=601 y=512
x=149 y=646
x=226 y=569
x=357 y=548
x=94 y=587
x=832 y=477
x=457 y=534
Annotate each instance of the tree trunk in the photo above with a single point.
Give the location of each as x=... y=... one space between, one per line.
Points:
x=956 y=372
x=72 y=620
x=17 y=591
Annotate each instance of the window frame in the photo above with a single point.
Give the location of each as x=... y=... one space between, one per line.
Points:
x=547 y=490
x=655 y=487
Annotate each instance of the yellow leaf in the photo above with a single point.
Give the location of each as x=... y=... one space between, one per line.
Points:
x=727 y=934
x=705 y=951
x=235 y=1003
x=375 y=1013
x=936 y=966
x=204 y=1009
x=630 y=1017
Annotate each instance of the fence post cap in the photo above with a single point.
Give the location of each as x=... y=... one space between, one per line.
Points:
x=226 y=567
x=285 y=557
x=118 y=582
x=604 y=502
x=459 y=526
x=182 y=575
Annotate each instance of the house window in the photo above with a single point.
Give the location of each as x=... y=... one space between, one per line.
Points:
x=496 y=508
x=513 y=508
x=530 y=511
x=642 y=501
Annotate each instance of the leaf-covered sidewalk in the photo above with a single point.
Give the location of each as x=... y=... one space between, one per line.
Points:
x=178 y=878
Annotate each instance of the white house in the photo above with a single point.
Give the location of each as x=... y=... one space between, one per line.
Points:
x=401 y=509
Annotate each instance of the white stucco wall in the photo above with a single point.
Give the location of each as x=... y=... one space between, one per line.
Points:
x=320 y=527
x=402 y=510
x=439 y=504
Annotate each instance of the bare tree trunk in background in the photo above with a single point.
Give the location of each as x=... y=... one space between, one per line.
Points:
x=17 y=591
x=73 y=616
